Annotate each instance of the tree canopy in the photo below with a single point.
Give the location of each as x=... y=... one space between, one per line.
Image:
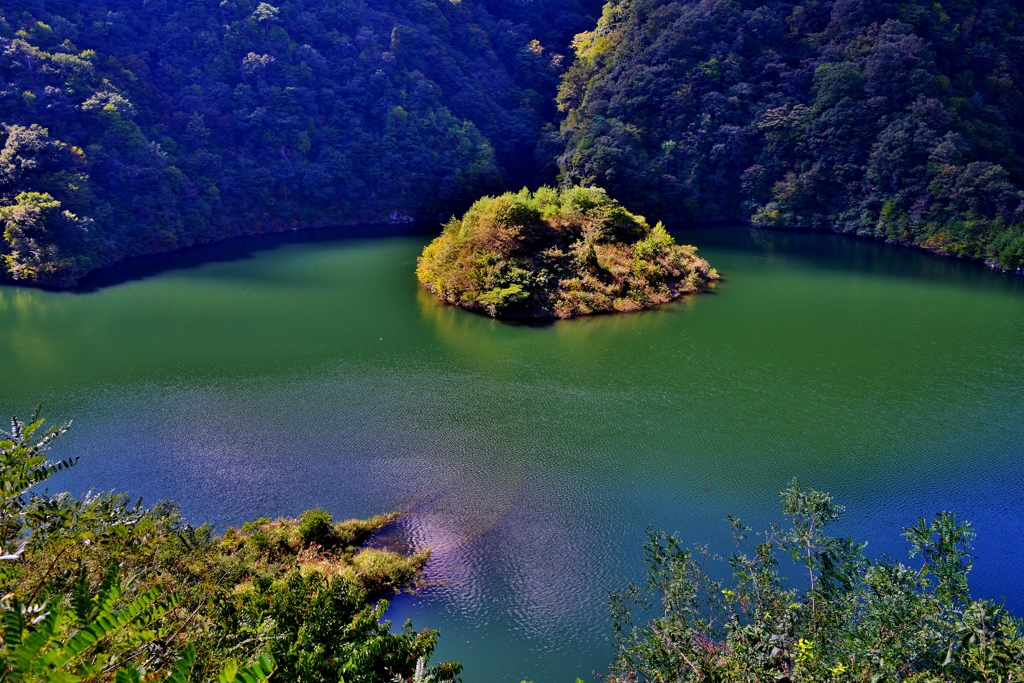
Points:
x=131 y=127
x=900 y=120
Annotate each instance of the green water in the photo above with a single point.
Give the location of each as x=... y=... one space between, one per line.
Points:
x=268 y=377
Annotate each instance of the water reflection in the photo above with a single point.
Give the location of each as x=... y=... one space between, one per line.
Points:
x=847 y=253
x=240 y=248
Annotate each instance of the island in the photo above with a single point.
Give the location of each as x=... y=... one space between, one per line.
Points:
x=558 y=253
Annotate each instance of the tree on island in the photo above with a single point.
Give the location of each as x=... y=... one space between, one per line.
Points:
x=558 y=254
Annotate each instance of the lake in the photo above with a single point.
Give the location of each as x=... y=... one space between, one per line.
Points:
x=265 y=376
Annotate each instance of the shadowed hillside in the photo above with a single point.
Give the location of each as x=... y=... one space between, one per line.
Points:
x=897 y=120
x=132 y=128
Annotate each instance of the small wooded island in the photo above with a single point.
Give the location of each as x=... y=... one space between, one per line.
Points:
x=558 y=254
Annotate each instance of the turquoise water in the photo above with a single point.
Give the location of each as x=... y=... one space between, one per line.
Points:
x=266 y=376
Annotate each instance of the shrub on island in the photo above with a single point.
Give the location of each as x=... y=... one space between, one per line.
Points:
x=558 y=254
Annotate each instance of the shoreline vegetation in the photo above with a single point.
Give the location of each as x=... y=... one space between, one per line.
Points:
x=97 y=589
x=853 y=619
x=100 y=588
x=558 y=254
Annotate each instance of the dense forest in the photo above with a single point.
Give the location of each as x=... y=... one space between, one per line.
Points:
x=130 y=128
x=897 y=120
x=139 y=127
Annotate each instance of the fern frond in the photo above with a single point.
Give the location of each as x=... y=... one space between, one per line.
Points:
x=14 y=624
x=182 y=668
x=24 y=657
x=260 y=671
x=129 y=674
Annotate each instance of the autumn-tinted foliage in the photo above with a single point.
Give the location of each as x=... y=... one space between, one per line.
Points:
x=897 y=120
x=137 y=127
x=558 y=254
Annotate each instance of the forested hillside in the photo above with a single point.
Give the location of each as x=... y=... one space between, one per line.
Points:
x=137 y=127
x=131 y=127
x=896 y=120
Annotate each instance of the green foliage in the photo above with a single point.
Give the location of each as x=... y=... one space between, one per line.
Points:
x=895 y=120
x=132 y=128
x=46 y=643
x=261 y=670
x=23 y=465
x=857 y=619
x=29 y=226
x=557 y=253
x=100 y=589
x=500 y=299
x=316 y=526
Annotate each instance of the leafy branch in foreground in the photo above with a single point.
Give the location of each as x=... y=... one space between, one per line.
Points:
x=858 y=620
x=104 y=590
x=23 y=465
x=88 y=643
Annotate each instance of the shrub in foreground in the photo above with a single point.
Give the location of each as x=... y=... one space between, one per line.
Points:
x=100 y=589
x=316 y=526
x=558 y=254
x=857 y=620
